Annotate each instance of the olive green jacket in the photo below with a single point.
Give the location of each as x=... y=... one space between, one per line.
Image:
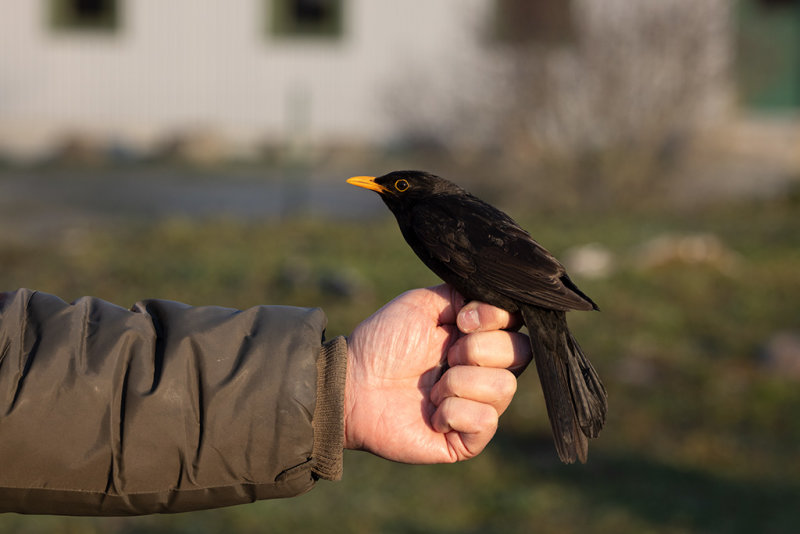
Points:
x=164 y=407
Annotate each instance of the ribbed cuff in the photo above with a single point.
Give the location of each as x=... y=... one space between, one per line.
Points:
x=329 y=412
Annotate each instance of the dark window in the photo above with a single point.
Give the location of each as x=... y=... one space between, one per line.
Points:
x=307 y=18
x=533 y=21
x=102 y=15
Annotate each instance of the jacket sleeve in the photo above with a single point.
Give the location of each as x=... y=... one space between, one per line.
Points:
x=164 y=407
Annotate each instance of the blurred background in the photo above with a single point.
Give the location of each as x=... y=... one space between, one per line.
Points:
x=197 y=150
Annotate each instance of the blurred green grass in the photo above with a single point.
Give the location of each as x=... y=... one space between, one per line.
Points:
x=701 y=436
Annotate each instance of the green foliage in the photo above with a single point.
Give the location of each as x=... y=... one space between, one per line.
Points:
x=701 y=437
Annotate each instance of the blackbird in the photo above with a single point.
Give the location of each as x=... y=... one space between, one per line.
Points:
x=487 y=256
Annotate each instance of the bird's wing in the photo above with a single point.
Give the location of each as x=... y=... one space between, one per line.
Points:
x=524 y=271
x=481 y=242
x=445 y=239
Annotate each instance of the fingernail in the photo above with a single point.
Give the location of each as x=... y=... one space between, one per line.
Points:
x=468 y=320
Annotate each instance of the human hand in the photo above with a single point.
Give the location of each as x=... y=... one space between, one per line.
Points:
x=421 y=389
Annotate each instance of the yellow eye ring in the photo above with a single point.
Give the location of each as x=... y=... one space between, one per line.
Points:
x=401 y=185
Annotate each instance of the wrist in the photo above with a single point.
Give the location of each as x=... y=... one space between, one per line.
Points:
x=348 y=439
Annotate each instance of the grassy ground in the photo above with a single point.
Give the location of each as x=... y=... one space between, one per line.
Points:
x=701 y=436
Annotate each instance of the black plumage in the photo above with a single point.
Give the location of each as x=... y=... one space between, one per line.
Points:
x=487 y=256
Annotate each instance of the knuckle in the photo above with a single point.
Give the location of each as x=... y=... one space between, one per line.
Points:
x=448 y=382
x=472 y=349
x=507 y=384
x=488 y=419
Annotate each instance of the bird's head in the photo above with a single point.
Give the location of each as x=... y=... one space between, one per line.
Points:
x=404 y=188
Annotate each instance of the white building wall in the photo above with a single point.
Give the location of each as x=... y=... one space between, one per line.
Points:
x=180 y=65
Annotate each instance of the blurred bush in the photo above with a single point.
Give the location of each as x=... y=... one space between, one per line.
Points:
x=600 y=101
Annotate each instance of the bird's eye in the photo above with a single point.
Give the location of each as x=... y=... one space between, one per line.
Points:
x=401 y=185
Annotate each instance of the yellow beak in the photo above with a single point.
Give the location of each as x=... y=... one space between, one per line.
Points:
x=367 y=182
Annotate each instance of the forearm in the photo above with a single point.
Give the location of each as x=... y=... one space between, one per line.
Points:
x=163 y=408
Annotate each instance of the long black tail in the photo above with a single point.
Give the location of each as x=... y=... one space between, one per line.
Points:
x=576 y=399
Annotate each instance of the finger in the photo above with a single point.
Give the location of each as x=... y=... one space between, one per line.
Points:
x=500 y=349
x=478 y=316
x=475 y=424
x=487 y=385
x=441 y=302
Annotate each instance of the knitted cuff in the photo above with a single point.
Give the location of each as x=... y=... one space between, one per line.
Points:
x=329 y=411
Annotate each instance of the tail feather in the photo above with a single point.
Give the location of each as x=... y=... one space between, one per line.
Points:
x=589 y=396
x=574 y=396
